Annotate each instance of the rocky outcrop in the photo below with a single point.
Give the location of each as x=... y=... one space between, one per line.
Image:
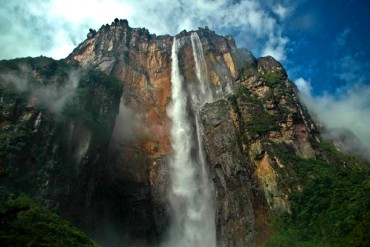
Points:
x=54 y=132
x=231 y=177
x=243 y=136
x=111 y=139
x=142 y=62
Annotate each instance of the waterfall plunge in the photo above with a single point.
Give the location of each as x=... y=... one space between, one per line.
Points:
x=193 y=221
x=201 y=69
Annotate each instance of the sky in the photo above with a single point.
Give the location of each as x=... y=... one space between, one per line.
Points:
x=323 y=44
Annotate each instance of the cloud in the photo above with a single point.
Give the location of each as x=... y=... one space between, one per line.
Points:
x=281 y=11
x=351 y=64
x=18 y=80
x=51 y=96
x=349 y=111
x=55 y=27
x=127 y=125
x=275 y=47
x=351 y=68
x=303 y=86
x=341 y=39
x=55 y=97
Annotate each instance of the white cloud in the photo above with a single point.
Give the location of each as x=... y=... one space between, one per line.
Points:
x=54 y=27
x=98 y=12
x=303 y=86
x=275 y=47
x=349 y=110
x=281 y=11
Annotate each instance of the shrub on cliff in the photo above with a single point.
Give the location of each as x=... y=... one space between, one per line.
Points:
x=24 y=223
x=332 y=206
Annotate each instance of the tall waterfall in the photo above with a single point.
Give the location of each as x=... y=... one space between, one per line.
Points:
x=193 y=220
x=205 y=96
x=201 y=69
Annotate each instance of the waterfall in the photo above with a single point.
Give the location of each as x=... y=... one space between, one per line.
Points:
x=204 y=97
x=201 y=69
x=193 y=220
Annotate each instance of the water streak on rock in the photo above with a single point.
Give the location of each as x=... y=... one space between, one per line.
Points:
x=192 y=223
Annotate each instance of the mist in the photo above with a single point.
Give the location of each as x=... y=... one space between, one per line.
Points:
x=345 y=113
x=52 y=96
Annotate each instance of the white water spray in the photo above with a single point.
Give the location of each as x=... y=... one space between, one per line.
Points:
x=201 y=69
x=206 y=96
x=193 y=220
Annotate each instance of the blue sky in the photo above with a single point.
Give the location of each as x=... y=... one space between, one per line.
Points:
x=323 y=44
x=329 y=43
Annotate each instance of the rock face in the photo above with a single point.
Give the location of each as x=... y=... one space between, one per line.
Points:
x=243 y=134
x=56 y=122
x=102 y=161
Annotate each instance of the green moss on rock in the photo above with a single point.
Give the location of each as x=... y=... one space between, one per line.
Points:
x=272 y=77
x=329 y=202
x=25 y=223
x=14 y=138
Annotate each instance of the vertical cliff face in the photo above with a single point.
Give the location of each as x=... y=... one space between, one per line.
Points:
x=56 y=121
x=244 y=135
x=140 y=143
x=115 y=135
x=255 y=114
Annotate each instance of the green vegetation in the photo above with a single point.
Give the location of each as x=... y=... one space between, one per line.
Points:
x=262 y=124
x=38 y=160
x=14 y=138
x=249 y=72
x=331 y=209
x=96 y=93
x=45 y=66
x=336 y=157
x=24 y=223
x=9 y=99
x=279 y=90
x=272 y=77
x=246 y=95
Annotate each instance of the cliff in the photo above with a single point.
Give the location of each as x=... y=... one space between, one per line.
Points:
x=89 y=136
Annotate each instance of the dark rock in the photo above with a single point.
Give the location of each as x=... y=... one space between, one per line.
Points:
x=105 y=167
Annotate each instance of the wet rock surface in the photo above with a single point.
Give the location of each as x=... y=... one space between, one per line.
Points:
x=116 y=186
